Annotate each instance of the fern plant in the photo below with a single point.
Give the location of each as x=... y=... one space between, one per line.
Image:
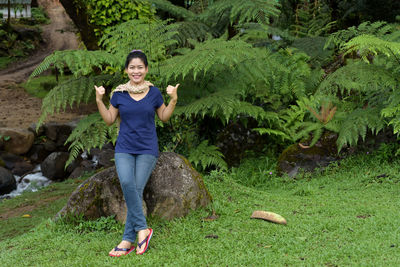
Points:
x=237 y=11
x=312 y=19
x=91 y=132
x=206 y=155
x=233 y=77
x=73 y=92
x=356 y=124
x=386 y=59
x=238 y=81
x=379 y=29
x=367 y=84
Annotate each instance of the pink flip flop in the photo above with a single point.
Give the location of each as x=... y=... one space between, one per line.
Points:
x=126 y=250
x=145 y=241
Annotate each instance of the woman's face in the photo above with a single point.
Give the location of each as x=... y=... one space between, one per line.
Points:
x=136 y=70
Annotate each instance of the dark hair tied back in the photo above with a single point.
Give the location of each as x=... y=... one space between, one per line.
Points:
x=136 y=54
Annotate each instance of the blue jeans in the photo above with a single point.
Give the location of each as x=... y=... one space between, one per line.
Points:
x=134 y=172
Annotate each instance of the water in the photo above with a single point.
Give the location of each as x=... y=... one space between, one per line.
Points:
x=29 y=183
x=35 y=180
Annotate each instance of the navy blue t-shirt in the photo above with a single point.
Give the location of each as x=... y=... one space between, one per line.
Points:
x=137 y=133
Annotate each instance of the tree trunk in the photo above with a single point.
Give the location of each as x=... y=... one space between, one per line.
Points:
x=9 y=12
x=79 y=16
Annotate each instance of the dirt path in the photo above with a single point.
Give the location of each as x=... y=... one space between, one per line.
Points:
x=17 y=108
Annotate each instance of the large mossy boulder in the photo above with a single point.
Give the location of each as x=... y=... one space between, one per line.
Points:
x=100 y=195
x=299 y=157
x=174 y=189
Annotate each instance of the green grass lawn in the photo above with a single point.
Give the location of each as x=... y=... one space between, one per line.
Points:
x=40 y=86
x=347 y=215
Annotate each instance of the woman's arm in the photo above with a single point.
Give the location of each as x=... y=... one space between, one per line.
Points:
x=108 y=115
x=165 y=112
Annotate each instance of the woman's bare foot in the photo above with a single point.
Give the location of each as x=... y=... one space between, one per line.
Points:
x=142 y=234
x=123 y=244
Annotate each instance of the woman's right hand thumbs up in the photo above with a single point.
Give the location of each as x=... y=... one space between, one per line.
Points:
x=100 y=91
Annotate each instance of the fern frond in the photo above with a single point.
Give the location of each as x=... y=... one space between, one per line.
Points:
x=275 y=132
x=298 y=124
x=153 y=38
x=392 y=111
x=174 y=10
x=312 y=19
x=243 y=11
x=355 y=125
x=90 y=132
x=358 y=77
x=306 y=128
x=206 y=55
x=224 y=106
x=367 y=45
x=195 y=30
x=207 y=155
x=273 y=78
x=71 y=92
x=79 y=62
x=379 y=29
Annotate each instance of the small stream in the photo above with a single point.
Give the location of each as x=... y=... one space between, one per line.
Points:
x=35 y=180
x=31 y=182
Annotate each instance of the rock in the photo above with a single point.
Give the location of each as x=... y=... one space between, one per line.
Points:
x=105 y=158
x=100 y=195
x=299 y=157
x=235 y=139
x=22 y=167
x=174 y=188
x=268 y=216
x=7 y=181
x=53 y=167
x=74 y=164
x=38 y=153
x=59 y=133
x=54 y=130
x=9 y=160
x=50 y=145
x=77 y=172
x=85 y=166
x=18 y=141
x=39 y=131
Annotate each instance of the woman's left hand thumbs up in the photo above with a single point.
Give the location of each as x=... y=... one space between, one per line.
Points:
x=172 y=91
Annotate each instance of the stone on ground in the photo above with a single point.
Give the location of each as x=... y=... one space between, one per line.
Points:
x=7 y=181
x=16 y=141
x=53 y=167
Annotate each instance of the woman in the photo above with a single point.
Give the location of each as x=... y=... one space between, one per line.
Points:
x=136 y=151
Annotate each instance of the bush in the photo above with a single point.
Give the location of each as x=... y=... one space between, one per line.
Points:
x=39 y=15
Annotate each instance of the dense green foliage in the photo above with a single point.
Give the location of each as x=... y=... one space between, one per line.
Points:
x=238 y=62
x=106 y=13
x=21 y=37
